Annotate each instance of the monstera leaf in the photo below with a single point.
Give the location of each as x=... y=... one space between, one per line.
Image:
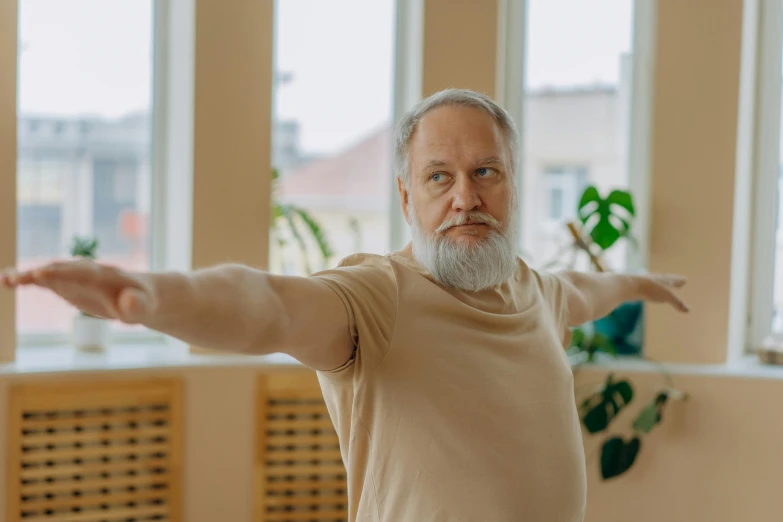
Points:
x=606 y=219
x=598 y=410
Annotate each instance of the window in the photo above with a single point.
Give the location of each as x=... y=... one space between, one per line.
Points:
x=332 y=139
x=576 y=116
x=84 y=168
x=564 y=186
x=765 y=299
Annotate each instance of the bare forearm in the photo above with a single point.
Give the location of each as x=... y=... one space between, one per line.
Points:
x=230 y=307
x=594 y=295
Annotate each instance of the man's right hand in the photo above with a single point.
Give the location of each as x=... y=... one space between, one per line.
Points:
x=95 y=289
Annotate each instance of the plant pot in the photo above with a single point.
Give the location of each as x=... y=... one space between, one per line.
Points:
x=91 y=334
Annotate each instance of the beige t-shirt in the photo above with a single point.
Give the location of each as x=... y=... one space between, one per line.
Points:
x=457 y=406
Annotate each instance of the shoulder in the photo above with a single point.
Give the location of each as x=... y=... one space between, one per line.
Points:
x=365 y=274
x=361 y=265
x=551 y=285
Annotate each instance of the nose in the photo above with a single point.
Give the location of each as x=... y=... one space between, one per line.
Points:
x=466 y=197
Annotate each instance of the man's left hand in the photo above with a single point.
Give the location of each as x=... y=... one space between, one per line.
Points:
x=661 y=288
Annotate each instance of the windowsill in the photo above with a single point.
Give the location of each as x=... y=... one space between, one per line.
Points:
x=748 y=366
x=173 y=354
x=128 y=356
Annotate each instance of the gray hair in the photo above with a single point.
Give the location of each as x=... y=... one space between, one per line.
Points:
x=455 y=98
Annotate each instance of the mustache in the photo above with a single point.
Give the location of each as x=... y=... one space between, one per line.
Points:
x=470 y=218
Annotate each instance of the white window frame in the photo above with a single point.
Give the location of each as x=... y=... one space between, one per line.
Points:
x=159 y=206
x=765 y=30
x=512 y=56
x=408 y=51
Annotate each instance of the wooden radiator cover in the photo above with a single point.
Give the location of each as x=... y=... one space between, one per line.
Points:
x=299 y=470
x=99 y=451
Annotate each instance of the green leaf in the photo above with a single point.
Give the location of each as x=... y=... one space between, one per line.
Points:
x=316 y=231
x=601 y=217
x=596 y=419
x=85 y=247
x=603 y=344
x=288 y=214
x=624 y=389
x=647 y=419
x=617 y=456
x=622 y=199
x=577 y=337
x=599 y=409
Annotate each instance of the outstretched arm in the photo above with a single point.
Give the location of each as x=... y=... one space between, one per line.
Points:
x=591 y=296
x=231 y=308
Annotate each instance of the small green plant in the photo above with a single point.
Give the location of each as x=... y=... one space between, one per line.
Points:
x=288 y=218
x=84 y=247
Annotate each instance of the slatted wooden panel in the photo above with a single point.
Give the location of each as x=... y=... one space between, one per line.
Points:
x=101 y=451
x=300 y=474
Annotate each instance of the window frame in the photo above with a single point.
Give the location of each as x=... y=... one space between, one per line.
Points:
x=157 y=224
x=765 y=169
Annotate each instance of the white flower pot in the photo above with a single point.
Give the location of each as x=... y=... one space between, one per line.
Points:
x=91 y=334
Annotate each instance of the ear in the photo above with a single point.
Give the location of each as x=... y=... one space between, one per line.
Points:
x=404 y=197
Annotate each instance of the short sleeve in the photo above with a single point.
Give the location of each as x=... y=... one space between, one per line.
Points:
x=367 y=287
x=553 y=289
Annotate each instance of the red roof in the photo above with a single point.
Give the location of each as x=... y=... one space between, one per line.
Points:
x=363 y=170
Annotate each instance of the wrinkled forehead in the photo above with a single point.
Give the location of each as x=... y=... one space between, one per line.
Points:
x=457 y=134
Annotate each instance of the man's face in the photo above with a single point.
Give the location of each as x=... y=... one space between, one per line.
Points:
x=460 y=202
x=459 y=166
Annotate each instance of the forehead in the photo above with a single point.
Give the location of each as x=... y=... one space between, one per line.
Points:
x=456 y=133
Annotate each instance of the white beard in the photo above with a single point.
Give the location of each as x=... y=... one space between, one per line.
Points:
x=470 y=267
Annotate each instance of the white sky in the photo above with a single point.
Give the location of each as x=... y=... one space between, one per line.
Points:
x=95 y=57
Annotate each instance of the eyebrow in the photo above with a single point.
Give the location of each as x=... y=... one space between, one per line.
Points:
x=489 y=160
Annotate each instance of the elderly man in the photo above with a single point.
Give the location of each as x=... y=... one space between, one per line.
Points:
x=442 y=365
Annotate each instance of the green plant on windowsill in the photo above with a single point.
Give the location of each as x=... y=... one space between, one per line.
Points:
x=289 y=219
x=85 y=248
x=89 y=333
x=602 y=222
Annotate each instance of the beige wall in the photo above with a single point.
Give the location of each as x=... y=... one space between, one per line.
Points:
x=232 y=147
x=8 y=59
x=714 y=457
x=453 y=55
x=696 y=92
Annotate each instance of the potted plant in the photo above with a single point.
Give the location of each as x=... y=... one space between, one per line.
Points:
x=89 y=333
x=602 y=222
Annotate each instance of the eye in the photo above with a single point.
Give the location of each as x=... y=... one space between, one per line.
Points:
x=436 y=177
x=485 y=172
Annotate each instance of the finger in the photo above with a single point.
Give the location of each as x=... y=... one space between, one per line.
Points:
x=5 y=278
x=679 y=304
x=677 y=281
x=25 y=278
